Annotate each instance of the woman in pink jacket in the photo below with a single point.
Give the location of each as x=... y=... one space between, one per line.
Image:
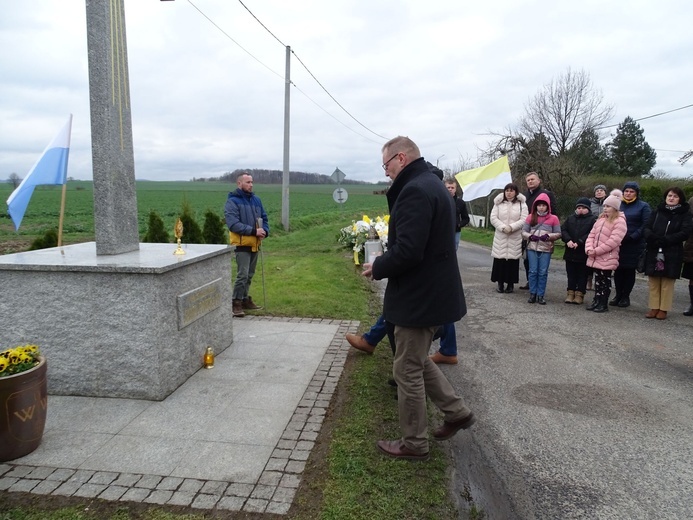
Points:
x=602 y=246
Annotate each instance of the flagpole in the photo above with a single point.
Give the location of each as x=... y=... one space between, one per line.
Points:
x=62 y=214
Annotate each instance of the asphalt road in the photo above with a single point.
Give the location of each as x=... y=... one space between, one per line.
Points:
x=580 y=415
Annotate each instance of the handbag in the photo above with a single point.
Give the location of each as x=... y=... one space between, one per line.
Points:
x=640 y=267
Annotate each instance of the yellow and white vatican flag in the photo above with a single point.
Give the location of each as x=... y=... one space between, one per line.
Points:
x=480 y=182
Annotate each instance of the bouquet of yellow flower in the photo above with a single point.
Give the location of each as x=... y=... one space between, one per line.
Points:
x=356 y=235
x=18 y=359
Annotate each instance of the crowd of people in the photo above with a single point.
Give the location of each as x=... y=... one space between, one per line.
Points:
x=607 y=234
x=614 y=234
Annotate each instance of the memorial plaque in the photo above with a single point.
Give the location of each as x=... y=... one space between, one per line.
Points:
x=194 y=304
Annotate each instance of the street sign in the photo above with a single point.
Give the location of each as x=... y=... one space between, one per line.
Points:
x=338 y=175
x=340 y=195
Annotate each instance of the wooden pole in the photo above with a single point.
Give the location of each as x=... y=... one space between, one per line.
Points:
x=62 y=214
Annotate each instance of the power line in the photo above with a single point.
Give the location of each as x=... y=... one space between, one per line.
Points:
x=311 y=75
x=647 y=117
x=234 y=41
x=279 y=75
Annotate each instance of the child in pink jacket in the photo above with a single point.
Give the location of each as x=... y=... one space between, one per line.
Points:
x=602 y=247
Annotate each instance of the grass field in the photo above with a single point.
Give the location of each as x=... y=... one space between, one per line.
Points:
x=307 y=204
x=347 y=478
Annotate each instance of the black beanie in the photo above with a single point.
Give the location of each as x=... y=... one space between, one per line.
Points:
x=583 y=201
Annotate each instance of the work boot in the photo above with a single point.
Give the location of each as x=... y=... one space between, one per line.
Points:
x=594 y=304
x=237 y=309
x=249 y=304
x=570 y=297
x=689 y=310
x=602 y=305
x=443 y=359
x=500 y=287
x=532 y=298
x=579 y=298
x=359 y=343
x=614 y=301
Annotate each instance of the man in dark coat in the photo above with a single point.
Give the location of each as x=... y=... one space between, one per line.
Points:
x=424 y=290
x=534 y=188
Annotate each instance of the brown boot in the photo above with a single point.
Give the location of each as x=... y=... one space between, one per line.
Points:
x=443 y=359
x=661 y=315
x=249 y=304
x=579 y=298
x=652 y=313
x=237 y=309
x=570 y=297
x=359 y=343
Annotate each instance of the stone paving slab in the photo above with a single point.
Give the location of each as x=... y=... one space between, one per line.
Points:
x=234 y=438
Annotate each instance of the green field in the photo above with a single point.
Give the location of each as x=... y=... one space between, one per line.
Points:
x=308 y=204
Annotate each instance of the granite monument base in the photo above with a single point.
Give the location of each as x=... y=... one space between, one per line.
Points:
x=132 y=325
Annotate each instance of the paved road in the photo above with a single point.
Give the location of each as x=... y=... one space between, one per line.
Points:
x=581 y=415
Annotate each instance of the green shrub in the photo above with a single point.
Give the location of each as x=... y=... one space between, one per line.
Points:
x=49 y=239
x=156 y=232
x=214 y=230
x=192 y=234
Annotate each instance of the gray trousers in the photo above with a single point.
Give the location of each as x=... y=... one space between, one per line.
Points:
x=418 y=377
x=246 y=262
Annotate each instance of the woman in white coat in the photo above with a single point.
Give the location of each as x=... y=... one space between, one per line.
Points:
x=507 y=216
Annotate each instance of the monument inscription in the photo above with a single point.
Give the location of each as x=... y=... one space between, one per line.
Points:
x=194 y=304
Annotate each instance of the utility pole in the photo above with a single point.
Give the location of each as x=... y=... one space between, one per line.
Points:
x=287 y=113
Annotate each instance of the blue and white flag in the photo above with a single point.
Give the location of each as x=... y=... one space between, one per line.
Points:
x=51 y=168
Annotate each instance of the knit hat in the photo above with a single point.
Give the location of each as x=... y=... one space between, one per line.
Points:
x=584 y=202
x=599 y=187
x=614 y=200
x=632 y=185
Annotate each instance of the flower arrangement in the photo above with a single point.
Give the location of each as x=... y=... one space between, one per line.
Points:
x=18 y=359
x=356 y=235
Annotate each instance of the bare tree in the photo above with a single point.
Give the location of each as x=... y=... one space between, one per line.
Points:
x=15 y=180
x=564 y=109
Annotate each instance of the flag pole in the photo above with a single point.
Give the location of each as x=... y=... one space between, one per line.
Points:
x=62 y=214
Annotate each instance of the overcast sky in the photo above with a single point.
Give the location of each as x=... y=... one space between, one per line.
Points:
x=443 y=72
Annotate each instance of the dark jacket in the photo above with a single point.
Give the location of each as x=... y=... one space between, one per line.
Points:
x=241 y=213
x=461 y=215
x=667 y=229
x=637 y=214
x=577 y=228
x=532 y=195
x=424 y=287
x=688 y=246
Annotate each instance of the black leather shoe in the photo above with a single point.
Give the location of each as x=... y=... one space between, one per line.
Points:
x=532 y=298
x=500 y=288
x=509 y=288
x=448 y=429
x=397 y=450
x=614 y=301
x=541 y=300
x=624 y=302
x=525 y=287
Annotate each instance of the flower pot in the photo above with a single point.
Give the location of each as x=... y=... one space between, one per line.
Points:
x=23 y=404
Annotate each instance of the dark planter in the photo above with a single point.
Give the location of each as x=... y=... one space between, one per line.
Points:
x=23 y=404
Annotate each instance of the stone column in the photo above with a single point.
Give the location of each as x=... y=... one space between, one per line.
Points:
x=115 y=197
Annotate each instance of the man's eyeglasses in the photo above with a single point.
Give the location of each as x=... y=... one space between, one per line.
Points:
x=388 y=161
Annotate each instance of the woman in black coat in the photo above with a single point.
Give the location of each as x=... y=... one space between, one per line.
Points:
x=687 y=271
x=667 y=229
